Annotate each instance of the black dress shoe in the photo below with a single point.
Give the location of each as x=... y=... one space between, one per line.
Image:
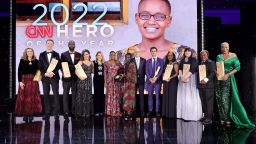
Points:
x=66 y=116
x=46 y=117
x=158 y=114
x=202 y=119
x=149 y=114
x=207 y=121
x=30 y=119
x=25 y=119
x=56 y=117
x=142 y=114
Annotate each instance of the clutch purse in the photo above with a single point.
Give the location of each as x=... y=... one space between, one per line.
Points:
x=118 y=77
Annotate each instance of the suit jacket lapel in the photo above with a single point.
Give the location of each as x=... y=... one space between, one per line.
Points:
x=76 y=60
x=140 y=67
x=69 y=57
x=150 y=66
x=53 y=56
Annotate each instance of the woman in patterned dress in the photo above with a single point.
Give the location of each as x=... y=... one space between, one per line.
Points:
x=113 y=93
x=83 y=102
x=130 y=78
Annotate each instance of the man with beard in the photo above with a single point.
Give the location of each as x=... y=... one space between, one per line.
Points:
x=72 y=57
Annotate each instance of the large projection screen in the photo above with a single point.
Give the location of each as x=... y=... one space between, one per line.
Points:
x=183 y=30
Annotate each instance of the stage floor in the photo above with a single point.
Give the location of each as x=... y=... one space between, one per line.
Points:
x=116 y=130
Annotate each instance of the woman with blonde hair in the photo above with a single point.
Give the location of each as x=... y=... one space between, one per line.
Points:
x=227 y=96
x=28 y=101
x=98 y=84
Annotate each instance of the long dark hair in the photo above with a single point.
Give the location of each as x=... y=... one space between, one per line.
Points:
x=82 y=55
x=188 y=49
x=167 y=60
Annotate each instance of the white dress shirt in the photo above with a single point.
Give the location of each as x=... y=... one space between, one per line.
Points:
x=49 y=56
x=137 y=60
x=72 y=57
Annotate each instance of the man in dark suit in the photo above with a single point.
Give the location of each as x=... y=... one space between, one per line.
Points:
x=72 y=57
x=50 y=79
x=154 y=80
x=140 y=85
x=206 y=87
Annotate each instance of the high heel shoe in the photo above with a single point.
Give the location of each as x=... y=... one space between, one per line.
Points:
x=30 y=119
x=25 y=119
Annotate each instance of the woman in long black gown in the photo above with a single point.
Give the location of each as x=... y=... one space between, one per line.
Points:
x=83 y=102
x=170 y=88
x=98 y=84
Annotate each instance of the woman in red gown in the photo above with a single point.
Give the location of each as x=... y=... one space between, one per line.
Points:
x=28 y=101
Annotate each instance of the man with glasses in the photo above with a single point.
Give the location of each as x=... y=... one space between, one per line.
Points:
x=153 y=18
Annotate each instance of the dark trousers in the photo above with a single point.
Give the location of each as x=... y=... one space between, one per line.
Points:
x=151 y=88
x=207 y=99
x=48 y=106
x=141 y=87
x=66 y=100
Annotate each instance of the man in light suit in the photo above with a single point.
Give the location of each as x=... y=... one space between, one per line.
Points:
x=140 y=85
x=72 y=57
x=206 y=87
x=50 y=79
x=154 y=80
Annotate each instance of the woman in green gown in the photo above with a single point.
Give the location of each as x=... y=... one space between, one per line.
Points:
x=228 y=101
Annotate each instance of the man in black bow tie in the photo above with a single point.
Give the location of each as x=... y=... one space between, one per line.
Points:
x=50 y=79
x=72 y=57
x=206 y=87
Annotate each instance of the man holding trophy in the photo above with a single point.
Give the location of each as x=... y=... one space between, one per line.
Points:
x=68 y=61
x=207 y=70
x=154 y=70
x=49 y=65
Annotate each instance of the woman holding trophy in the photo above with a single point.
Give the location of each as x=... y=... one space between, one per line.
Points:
x=228 y=101
x=28 y=101
x=189 y=105
x=170 y=83
x=83 y=102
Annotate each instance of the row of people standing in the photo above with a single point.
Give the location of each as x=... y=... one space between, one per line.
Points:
x=28 y=102
x=83 y=102
x=180 y=99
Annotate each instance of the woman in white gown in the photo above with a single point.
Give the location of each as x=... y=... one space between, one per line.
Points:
x=189 y=105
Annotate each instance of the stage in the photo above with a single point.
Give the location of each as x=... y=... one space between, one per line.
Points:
x=117 y=130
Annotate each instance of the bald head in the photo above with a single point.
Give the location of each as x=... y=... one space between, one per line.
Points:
x=71 y=45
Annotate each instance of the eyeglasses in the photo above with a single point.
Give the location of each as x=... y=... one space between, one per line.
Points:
x=157 y=16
